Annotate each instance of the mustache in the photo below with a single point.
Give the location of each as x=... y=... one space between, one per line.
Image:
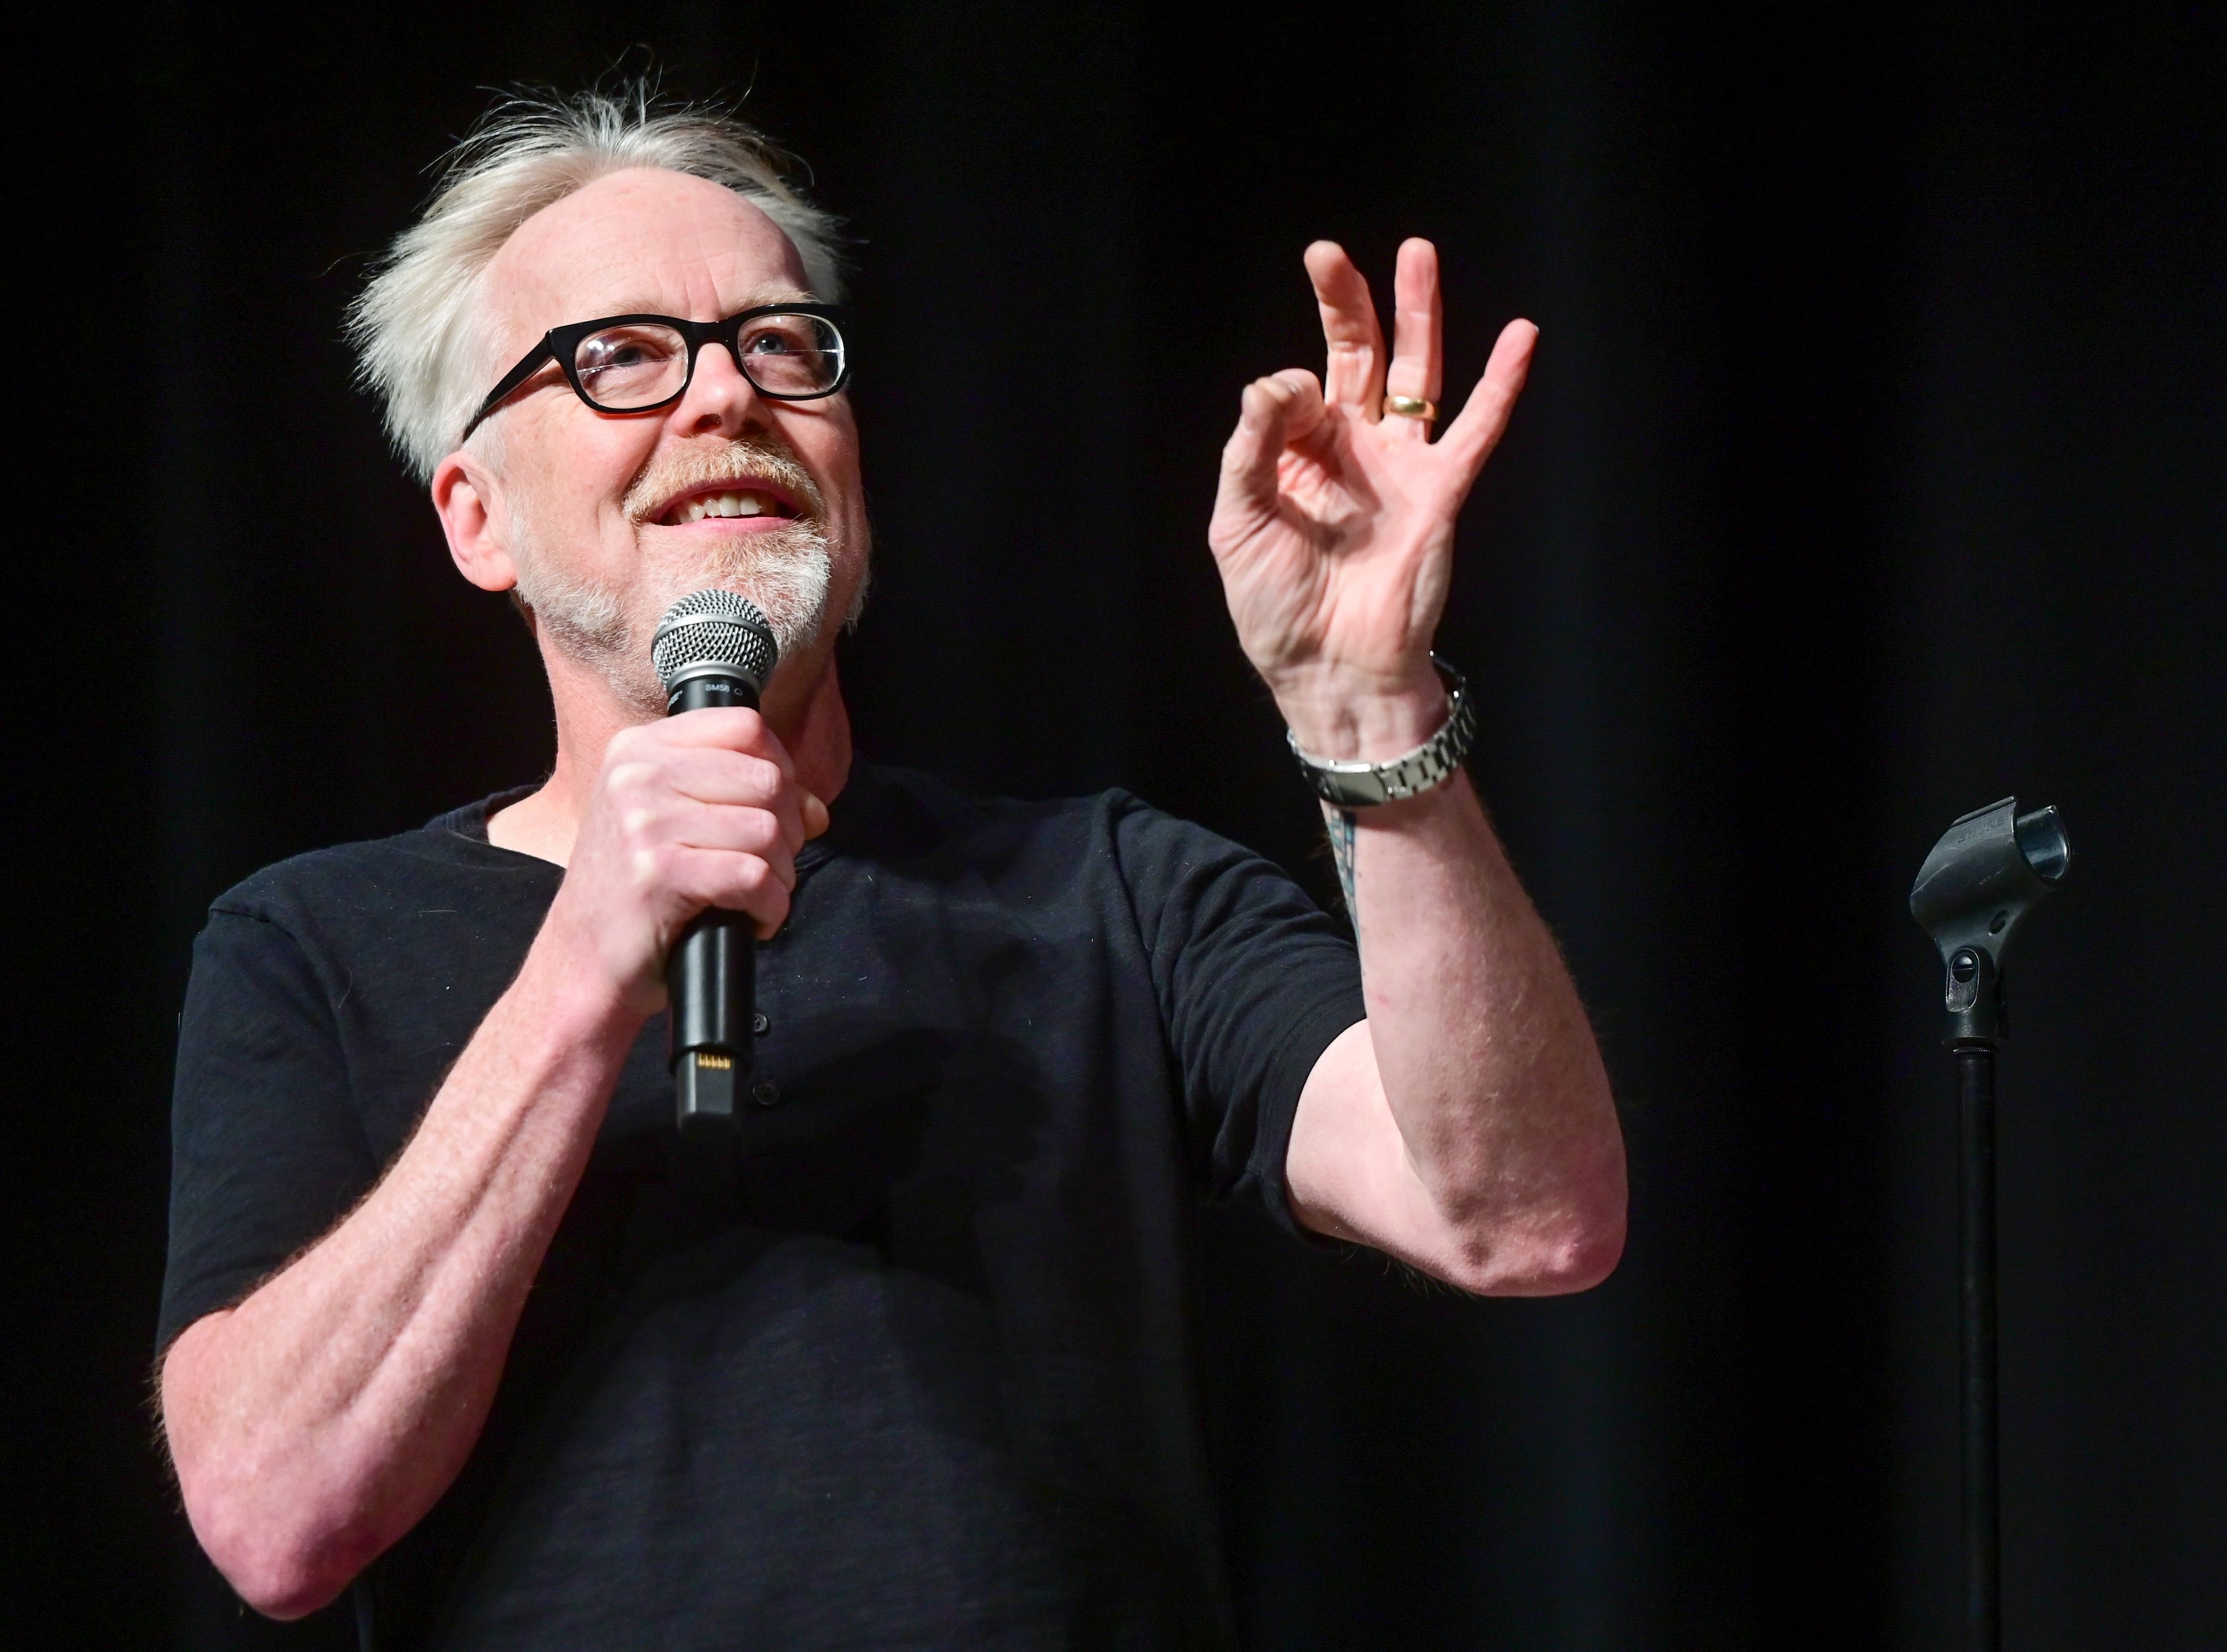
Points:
x=704 y=463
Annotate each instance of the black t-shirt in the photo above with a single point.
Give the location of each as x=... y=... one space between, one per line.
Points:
x=912 y=1367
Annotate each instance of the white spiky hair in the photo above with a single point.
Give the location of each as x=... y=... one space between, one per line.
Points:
x=416 y=325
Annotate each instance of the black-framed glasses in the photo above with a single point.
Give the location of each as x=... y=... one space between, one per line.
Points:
x=636 y=364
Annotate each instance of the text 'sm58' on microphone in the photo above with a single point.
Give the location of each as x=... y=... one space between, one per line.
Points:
x=712 y=647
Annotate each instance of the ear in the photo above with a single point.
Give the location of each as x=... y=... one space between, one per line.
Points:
x=468 y=502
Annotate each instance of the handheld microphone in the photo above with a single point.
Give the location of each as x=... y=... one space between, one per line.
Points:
x=712 y=647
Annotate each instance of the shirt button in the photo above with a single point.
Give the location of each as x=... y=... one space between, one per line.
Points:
x=766 y=1093
x=760 y=1023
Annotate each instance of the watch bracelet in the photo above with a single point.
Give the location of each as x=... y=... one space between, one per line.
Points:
x=1364 y=785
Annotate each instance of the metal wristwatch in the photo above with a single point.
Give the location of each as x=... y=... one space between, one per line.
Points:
x=1364 y=785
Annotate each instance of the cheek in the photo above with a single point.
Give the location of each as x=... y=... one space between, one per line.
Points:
x=578 y=470
x=829 y=448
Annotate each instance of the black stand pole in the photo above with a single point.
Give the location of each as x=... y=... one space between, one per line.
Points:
x=1975 y=1112
x=1984 y=874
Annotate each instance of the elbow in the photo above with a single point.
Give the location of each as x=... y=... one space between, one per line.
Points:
x=1554 y=1262
x=277 y=1571
x=1551 y=1249
x=1567 y=1237
x=287 y=1532
x=1588 y=1258
x=284 y=1566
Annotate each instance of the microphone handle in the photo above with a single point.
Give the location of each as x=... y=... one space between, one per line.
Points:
x=711 y=975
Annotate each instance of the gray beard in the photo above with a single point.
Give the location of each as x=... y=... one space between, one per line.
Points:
x=607 y=628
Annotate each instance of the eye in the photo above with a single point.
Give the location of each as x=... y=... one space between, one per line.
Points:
x=633 y=365
x=787 y=354
x=626 y=346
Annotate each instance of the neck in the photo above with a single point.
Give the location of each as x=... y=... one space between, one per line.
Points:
x=811 y=722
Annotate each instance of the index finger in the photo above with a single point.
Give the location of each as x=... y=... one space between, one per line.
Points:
x=1355 y=378
x=733 y=728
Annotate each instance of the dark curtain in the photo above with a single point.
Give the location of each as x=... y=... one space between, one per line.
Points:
x=1873 y=467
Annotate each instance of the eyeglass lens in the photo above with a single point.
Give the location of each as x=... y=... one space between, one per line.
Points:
x=638 y=364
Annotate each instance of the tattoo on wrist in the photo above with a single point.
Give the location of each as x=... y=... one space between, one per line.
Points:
x=1340 y=824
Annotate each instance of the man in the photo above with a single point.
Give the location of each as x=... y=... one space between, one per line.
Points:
x=455 y=1317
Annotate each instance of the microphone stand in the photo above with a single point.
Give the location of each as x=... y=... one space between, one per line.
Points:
x=1988 y=871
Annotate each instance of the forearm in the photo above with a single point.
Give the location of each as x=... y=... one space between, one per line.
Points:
x=1465 y=1126
x=318 y=1421
x=1485 y=1058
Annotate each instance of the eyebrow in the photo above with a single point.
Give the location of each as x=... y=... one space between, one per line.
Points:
x=781 y=294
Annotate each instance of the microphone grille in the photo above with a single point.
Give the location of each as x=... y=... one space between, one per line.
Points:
x=714 y=628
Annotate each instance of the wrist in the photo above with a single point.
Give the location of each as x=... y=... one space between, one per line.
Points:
x=1366 y=783
x=1350 y=716
x=572 y=998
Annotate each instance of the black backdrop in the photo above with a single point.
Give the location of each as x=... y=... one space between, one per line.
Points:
x=1873 y=467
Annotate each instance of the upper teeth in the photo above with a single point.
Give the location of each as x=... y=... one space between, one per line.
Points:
x=741 y=503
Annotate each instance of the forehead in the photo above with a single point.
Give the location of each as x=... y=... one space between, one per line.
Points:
x=641 y=240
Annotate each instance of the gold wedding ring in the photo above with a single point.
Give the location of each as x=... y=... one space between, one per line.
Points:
x=1411 y=407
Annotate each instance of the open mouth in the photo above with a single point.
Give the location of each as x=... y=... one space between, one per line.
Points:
x=728 y=498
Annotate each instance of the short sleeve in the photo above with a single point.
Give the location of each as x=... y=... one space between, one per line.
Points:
x=1254 y=980
x=266 y=1150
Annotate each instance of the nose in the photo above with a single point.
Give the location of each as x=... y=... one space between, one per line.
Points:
x=720 y=401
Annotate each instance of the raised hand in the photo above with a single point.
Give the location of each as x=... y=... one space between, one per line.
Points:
x=1334 y=525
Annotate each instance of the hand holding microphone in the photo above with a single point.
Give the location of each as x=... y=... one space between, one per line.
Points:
x=687 y=850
